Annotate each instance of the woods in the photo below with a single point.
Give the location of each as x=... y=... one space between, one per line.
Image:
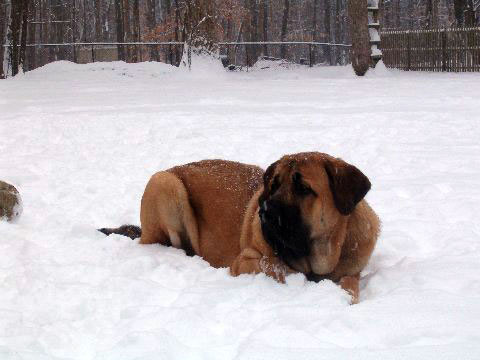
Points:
x=40 y=31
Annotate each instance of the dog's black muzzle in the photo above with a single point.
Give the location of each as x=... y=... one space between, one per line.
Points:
x=284 y=230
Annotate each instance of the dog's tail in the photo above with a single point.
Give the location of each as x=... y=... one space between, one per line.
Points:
x=131 y=231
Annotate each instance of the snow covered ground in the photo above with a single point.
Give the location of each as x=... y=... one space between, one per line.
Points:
x=80 y=142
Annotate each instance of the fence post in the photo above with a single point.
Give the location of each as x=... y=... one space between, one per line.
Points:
x=311 y=55
x=409 y=61
x=93 y=55
x=444 y=51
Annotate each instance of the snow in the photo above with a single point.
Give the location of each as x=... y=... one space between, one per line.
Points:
x=80 y=142
x=373 y=33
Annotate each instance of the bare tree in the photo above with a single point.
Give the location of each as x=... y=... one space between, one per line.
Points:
x=431 y=14
x=136 y=30
x=286 y=11
x=252 y=30
x=358 y=18
x=328 y=27
x=18 y=33
x=265 y=26
x=314 y=28
x=98 y=20
x=119 y=28
x=3 y=15
x=151 y=24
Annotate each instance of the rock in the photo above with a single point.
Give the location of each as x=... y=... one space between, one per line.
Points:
x=10 y=202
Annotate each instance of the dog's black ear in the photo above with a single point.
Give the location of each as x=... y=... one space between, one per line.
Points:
x=348 y=185
x=267 y=176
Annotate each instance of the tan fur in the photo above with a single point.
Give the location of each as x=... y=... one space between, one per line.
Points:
x=212 y=208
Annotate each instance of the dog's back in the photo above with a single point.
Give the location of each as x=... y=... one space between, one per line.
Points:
x=218 y=193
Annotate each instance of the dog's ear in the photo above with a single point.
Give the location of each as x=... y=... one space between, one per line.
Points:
x=348 y=185
x=267 y=178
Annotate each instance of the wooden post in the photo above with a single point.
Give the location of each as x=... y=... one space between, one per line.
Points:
x=311 y=54
x=409 y=46
x=444 y=51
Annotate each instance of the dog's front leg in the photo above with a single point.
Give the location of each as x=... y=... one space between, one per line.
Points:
x=251 y=261
x=351 y=285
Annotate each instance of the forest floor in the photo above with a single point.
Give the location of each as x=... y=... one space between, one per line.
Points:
x=81 y=141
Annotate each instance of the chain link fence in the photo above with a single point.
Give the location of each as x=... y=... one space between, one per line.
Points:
x=236 y=56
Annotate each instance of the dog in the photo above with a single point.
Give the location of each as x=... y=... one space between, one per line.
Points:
x=306 y=213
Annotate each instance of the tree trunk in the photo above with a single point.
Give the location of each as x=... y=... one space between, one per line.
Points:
x=459 y=8
x=328 y=11
x=23 y=39
x=314 y=31
x=73 y=20
x=119 y=28
x=411 y=14
x=469 y=14
x=31 y=51
x=98 y=20
x=431 y=14
x=15 y=25
x=286 y=10
x=338 y=30
x=178 y=53
x=358 y=18
x=252 y=35
x=136 y=31
x=127 y=29
x=265 y=26
x=3 y=15
x=59 y=14
x=152 y=23
x=398 y=11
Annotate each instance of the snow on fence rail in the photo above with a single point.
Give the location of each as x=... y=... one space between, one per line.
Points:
x=304 y=52
x=450 y=50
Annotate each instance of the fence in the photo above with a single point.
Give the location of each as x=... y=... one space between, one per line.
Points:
x=453 y=50
x=238 y=54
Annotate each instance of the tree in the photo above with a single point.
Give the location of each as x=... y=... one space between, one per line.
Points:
x=314 y=28
x=358 y=18
x=286 y=10
x=98 y=20
x=469 y=13
x=3 y=15
x=136 y=30
x=252 y=30
x=119 y=28
x=265 y=26
x=151 y=24
x=327 y=22
x=431 y=14
x=18 y=33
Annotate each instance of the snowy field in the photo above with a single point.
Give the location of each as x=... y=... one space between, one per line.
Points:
x=81 y=141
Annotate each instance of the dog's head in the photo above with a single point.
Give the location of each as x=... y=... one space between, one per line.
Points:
x=304 y=197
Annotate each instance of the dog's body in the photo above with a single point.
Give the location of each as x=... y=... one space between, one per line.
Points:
x=306 y=214
x=199 y=207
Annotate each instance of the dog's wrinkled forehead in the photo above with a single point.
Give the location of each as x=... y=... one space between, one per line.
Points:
x=303 y=163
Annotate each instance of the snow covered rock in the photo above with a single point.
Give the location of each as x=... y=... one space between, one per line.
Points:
x=10 y=202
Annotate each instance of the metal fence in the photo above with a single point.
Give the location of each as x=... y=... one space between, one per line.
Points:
x=238 y=55
x=452 y=50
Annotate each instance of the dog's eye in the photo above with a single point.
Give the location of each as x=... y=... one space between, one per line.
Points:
x=299 y=186
x=275 y=184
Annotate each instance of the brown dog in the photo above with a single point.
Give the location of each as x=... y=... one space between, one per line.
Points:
x=307 y=215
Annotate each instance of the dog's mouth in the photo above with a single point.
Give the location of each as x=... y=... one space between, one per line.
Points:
x=284 y=230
